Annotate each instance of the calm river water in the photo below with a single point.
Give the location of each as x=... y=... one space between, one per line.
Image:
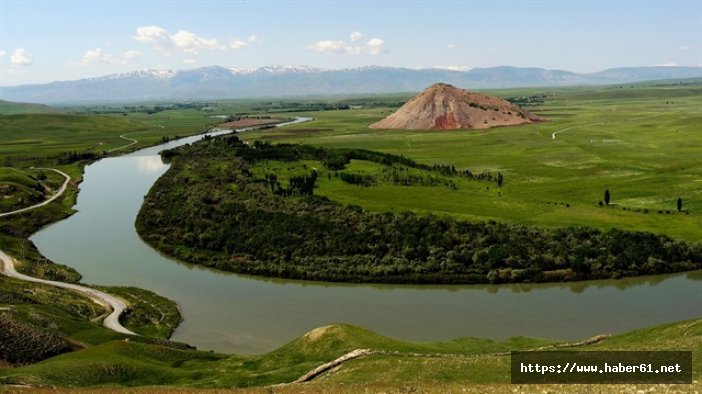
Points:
x=240 y=314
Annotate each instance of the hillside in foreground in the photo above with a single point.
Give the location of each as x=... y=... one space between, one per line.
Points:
x=391 y=365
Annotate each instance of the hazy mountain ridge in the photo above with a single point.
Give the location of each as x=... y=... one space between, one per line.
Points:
x=214 y=82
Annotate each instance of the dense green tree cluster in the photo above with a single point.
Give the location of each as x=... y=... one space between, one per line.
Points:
x=209 y=209
x=358 y=179
x=536 y=99
x=337 y=159
x=74 y=156
x=291 y=106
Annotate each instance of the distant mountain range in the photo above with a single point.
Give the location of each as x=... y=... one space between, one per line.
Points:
x=275 y=81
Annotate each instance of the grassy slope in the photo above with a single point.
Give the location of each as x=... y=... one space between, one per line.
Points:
x=19 y=188
x=33 y=137
x=64 y=315
x=12 y=108
x=129 y=363
x=646 y=153
x=36 y=140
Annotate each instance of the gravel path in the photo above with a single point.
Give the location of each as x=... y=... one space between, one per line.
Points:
x=7 y=267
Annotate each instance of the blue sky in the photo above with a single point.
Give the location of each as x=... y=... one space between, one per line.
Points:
x=43 y=41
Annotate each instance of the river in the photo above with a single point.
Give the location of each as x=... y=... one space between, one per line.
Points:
x=240 y=314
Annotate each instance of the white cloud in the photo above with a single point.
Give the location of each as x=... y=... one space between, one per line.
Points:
x=451 y=46
x=189 y=61
x=154 y=35
x=237 y=43
x=355 y=36
x=183 y=41
x=97 y=56
x=132 y=54
x=684 y=48
x=190 y=42
x=20 y=57
x=2 y=53
x=328 y=46
x=374 y=46
x=671 y=64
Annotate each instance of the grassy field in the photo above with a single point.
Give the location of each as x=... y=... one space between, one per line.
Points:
x=641 y=142
x=34 y=314
x=384 y=388
x=32 y=137
x=461 y=362
x=13 y=108
x=19 y=188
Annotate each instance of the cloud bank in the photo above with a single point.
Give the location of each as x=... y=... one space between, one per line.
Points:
x=374 y=46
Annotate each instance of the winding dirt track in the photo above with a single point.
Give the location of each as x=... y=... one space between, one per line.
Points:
x=124 y=137
x=7 y=267
x=358 y=353
x=553 y=136
x=52 y=198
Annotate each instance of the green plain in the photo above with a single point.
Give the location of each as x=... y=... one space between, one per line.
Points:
x=646 y=151
x=645 y=148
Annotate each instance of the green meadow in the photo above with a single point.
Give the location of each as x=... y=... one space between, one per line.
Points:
x=642 y=143
x=25 y=137
x=33 y=135
x=463 y=361
x=12 y=108
x=22 y=187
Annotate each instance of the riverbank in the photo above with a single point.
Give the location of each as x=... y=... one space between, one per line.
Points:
x=144 y=312
x=45 y=311
x=255 y=209
x=114 y=305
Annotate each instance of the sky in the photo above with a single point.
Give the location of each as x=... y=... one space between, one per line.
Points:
x=50 y=40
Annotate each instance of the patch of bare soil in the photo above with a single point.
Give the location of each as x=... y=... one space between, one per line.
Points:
x=445 y=107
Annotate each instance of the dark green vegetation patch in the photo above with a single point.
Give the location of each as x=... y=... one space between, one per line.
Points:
x=217 y=207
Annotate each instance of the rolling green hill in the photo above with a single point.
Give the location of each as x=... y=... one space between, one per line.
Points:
x=460 y=362
x=13 y=108
x=21 y=188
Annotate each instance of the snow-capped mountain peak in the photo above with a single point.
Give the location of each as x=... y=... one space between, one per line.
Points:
x=215 y=82
x=148 y=73
x=281 y=69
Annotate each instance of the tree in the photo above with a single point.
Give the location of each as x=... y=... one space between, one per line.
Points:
x=606 y=197
x=500 y=179
x=679 y=204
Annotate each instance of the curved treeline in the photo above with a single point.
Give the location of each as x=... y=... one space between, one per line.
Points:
x=209 y=209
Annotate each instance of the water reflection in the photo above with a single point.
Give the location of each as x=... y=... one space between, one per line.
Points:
x=514 y=288
x=150 y=164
